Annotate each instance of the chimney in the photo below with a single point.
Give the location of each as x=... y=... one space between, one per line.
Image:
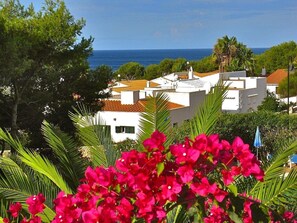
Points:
x=129 y=97
x=263 y=71
x=190 y=75
x=148 y=84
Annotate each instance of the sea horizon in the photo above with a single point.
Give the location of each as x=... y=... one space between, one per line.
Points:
x=116 y=58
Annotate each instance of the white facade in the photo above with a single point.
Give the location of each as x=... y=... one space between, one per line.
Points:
x=244 y=94
x=125 y=124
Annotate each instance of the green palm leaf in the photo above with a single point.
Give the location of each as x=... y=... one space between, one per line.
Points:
x=95 y=137
x=155 y=117
x=17 y=184
x=281 y=191
x=71 y=163
x=36 y=162
x=178 y=215
x=208 y=112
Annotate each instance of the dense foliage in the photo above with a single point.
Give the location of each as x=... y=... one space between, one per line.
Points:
x=206 y=64
x=232 y=55
x=277 y=57
x=275 y=128
x=130 y=71
x=283 y=85
x=271 y=103
x=44 y=67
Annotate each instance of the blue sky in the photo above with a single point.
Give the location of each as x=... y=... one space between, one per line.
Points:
x=183 y=24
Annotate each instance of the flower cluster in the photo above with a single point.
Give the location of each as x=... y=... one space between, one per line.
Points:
x=151 y=183
x=148 y=184
x=35 y=206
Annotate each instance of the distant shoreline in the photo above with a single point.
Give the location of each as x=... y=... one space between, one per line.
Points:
x=169 y=49
x=116 y=58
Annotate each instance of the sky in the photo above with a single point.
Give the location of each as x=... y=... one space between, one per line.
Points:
x=183 y=24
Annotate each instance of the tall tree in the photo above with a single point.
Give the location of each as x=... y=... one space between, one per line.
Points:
x=232 y=55
x=224 y=50
x=43 y=58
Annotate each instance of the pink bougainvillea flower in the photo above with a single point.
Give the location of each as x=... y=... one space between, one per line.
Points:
x=183 y=154
x=35 y=203
x=217 y=215
x=288 y=216
x=155 y=142
x=204 y=187
x=247 y=212
x=170 y=189
x=91 y=216
x=125 y=209
x=66 y=208
x=186 y=173
x=131 y=161
x=5 y=220
x=220 y=194
x=15 y=209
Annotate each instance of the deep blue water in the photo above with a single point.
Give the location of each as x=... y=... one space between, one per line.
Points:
x=116 y=58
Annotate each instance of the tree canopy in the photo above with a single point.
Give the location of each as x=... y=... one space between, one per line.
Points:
x=130 y=71
x=277 y=57
x=43 y=62
x=283 y=86
x=232 y=55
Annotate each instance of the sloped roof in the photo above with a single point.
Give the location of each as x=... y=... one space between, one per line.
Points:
x=133 y=85
x=139 y=106
x=206 y=74
x=277 y=76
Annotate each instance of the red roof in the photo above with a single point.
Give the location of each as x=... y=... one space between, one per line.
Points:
x=277 y=76
x=139 y=106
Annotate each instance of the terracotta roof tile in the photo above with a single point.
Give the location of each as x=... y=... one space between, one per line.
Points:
x=115 y=105
x=206 y=74
x=134 y=85
x=277 y=76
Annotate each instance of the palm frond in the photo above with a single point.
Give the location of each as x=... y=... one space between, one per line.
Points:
x=16 y=185
x=95 y=136
x=155 y=117
x=178 y=215
x=275 y=168
x=281 y=191
x=36 y=162
x=71 y=163
x=277 y=165
x=208 y=113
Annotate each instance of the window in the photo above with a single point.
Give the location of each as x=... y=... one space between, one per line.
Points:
x=119 y=129
x=125 y=129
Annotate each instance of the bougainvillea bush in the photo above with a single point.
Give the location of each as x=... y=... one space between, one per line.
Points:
x=196 y=177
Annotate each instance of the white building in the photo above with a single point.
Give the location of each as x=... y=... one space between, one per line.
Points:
x=244 y=93
x=274 y=79
x=186 y=91
x=123 y=116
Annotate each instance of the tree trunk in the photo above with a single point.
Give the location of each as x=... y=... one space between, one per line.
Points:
x=14 y=115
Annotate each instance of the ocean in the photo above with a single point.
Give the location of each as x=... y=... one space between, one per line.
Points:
x=116 y=58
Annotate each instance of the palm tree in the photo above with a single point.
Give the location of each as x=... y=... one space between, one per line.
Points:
x=224 y=51
x=28 y=172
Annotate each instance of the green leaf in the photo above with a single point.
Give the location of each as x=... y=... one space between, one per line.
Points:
x=208 y=112
x=233 y=189
x=234 y=217
x=160 y=168
x=155 y=117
